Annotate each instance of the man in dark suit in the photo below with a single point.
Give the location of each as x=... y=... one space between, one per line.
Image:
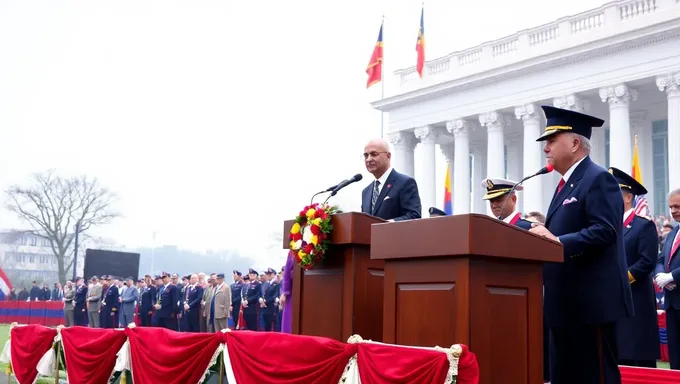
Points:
x=637 y=337
x=589 y=292
x=80 y=303
x=502 y=203
x=667 y=276
x=391 y=196
x=167 y=304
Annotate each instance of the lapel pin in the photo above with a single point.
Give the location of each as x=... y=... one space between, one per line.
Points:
x=571 y=185
x=389 y=185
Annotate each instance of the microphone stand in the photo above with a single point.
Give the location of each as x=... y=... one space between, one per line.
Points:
x=512 y=190
x=315 y=195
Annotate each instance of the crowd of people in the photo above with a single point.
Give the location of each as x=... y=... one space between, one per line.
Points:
x=193 y=303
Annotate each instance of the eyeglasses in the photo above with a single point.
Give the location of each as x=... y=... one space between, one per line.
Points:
x=372 y=154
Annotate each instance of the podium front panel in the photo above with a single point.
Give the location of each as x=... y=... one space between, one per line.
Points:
x=506 y=320
x=426 y=302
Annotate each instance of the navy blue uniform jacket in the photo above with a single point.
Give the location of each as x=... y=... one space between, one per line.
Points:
x=591 y=286
x=671 y=298
x=398 y=199
x=638 y=336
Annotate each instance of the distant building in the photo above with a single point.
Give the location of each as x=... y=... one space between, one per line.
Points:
x=25 y=256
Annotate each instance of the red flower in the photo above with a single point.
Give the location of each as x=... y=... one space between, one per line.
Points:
x=315 y=230
x=308 y=248
x=323 y=236
x=323 y=215
x=296 y=237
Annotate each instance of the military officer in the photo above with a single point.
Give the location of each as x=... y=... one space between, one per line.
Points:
x=503 y=203
x=93 y=301
x=80 y=303
x=637 y=337
x=236 y=288
x=111 y=309
x=253 y=294
x=270 y=300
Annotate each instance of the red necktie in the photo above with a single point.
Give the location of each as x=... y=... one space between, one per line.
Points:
x=674 y=248
x=560 y=185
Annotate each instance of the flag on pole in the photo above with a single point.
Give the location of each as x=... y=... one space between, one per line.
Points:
x=448 y=207
x=420 y=44
x=5 y=286
x=641 y=206
x=374 y=69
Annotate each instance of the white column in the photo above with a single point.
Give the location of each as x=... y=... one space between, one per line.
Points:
x=572 y=102
x=461 y=164
x=478 y=174
x=427 y=187
x=598 y=141
x=403 y=143
x=619 y=98
x=671 y=84
x=532 y=195
x=495 y=148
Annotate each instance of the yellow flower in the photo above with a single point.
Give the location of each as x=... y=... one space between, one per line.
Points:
x=295 y=229
x=311 y=212
x=317 y=221
x=314 y=240
x=292 y=245
x=301 y=254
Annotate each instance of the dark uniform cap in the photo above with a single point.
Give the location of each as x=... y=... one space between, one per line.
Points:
x=436 y=212
x=140 y=281
x=271 y=271
x=238 y=273
x=158 y=277
x=220 y=275
x=627 y=182
x=498 y=187
x=254 y=272
x=246 y=277
x=563 y=120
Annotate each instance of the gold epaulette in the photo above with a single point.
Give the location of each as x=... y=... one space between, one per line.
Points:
x=646 y=217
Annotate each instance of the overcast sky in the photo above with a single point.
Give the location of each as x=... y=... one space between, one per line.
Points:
x=216 y=120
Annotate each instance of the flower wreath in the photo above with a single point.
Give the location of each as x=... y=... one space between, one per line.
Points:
x=309 y=234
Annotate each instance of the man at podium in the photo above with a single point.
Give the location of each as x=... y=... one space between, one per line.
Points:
x=391 y=196
x=503 y=203
x=589 y=292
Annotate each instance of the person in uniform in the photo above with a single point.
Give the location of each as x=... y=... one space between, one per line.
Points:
x=166 y=306
x=270 y=300
x=156 y=299
x=128 y=300
x=104 y=311
x=80 y=315
x=69 y=294
x=637 y=337
x=145 y=303
x=205 y=304
x=219 y=304
x=253 y=294
x=667 y=276
x=192 y=307
x=94 y=296
x=236 y=288
x=589 y=292
x=112 y=306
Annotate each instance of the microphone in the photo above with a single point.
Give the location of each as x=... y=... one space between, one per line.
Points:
x=347 y=182
x=547 y=169
x=330 y=189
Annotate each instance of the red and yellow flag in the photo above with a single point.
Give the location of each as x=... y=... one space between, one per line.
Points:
x=420 y=44
x=637 y=172
x=374 y=69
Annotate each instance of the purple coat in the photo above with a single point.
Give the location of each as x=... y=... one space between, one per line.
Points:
x=287 y=289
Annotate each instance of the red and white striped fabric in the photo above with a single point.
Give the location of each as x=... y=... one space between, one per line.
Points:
x=641 y=206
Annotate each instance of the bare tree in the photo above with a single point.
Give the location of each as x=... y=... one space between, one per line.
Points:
x=55 y=207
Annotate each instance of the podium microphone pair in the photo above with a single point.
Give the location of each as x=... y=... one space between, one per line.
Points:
x=547 y=169
x=334 y=189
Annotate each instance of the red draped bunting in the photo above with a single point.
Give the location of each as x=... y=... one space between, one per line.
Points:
x=636 y=375
x=178 y=358
x=382 y=363
x=300 y=359
x=90 y=353
x=468 y=369
x=29 y=344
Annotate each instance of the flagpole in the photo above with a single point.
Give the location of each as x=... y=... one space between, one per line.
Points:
x=382 y=85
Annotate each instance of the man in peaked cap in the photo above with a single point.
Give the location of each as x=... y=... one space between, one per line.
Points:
x=270 y=299
x=251 y=304
x=588 y=292
x=637 y=337
x=94 y=297
x=219 y=305
x=502 y=202
x=236 y=288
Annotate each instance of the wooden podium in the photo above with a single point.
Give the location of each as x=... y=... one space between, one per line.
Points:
x=468 y=279
x=343 y=295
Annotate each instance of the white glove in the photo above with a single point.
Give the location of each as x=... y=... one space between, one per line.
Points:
x=662 y=279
